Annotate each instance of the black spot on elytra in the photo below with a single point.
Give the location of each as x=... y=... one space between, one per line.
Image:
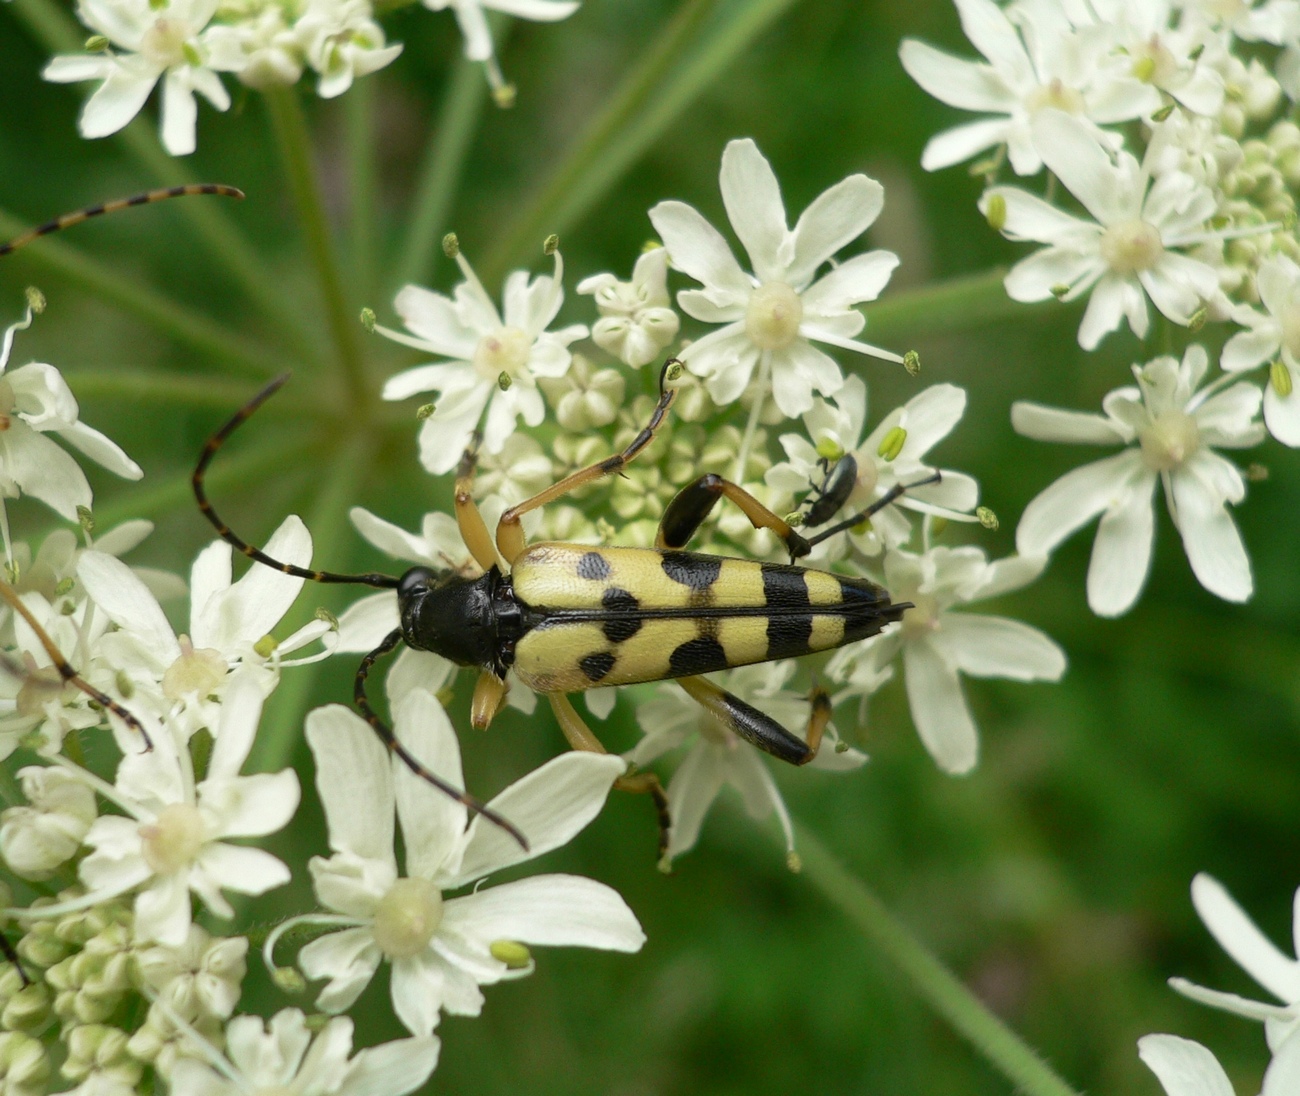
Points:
x=623 y=627
x=788 y=636
x=596 y=666
x=593 y=565
x=697 y=656
x=697 y=572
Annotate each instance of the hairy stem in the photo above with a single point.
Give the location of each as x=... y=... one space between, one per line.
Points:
x=969 y=1017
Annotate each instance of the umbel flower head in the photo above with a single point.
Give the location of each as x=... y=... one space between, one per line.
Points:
x=1129 y=250
x=771 y=318
x=443 y=949
x=495 y=358
x=1171 y=428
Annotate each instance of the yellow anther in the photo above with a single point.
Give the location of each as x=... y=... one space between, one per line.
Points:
x=96 y=43
x=368 y=320
x=794 y=861
x=35 y=299
x=265 y=647
x=551 y=244
x=912 y=363
x=1279 y=379
x=85 y=519
x=673 y=372
x=504 y=381
x=514 y=954
x=892 y=443
x=329 y=618
x=829 y=449
x=996 y=213
x=424 y=411
x=125 y=686
x=987 y=517
x=450 y=245
x=289 y=980
x=1059 y=290
x=505 y=96
x=794 y=519
x=1197 y=319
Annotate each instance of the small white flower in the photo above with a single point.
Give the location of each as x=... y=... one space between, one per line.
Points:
x=478 y=36
x=1272 y=333
x=584 y=399
x=771 y=317
x=35 y=401
x=172 y=841
x=495 y=361
x=201 y=977
x=262 y=49
x=442 y=949
x=341 y=41
x=1238 y=935
x=37 y=838
x=227 y=621
x=1034 y=61
x=716 y=757
x=1127 y=253
x=637 y=319
x=162 y=42
x=892 y=453
x=1171 y=430
x=938 y=644
x=1186 y=1068
x=282 y=1057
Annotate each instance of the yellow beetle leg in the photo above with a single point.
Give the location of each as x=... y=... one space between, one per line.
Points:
x=693 y=503
x=581 y=738
x=473 y=529
x=753 y=726
x=489 y=698
x=510 y=533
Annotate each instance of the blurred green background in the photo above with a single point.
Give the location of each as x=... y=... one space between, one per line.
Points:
x=1054 y=880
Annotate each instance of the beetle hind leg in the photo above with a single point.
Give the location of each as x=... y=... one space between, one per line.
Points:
x=580 y=737
x=695 y=502
x=757 y=728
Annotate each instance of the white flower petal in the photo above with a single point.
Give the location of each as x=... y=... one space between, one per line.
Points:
x=858 y=279
x=1211 y=539
x=367 y=622
x=354 y=776
x=111 y=584
x=1238 y=935
x=101 y=449
x=242 y=869
x=1034 y=420
x=550 y=805
x=836 y=217
x=42 y=470
x=752 y=197
x=957 y=82
x=989 y=646
x=547 y=910
x=433 y=824
x=1121 y=553
x=952 y=146
x=115 y=102
x=1185 y=1068
x=696 y=248
x=939 y=709
x=1074 y=500
x=691 y=792
x=403 y=1065
x=348 y=959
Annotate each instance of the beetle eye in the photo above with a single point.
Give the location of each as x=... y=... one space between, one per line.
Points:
x=417 y=578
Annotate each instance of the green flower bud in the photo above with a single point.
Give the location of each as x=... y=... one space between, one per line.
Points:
x=28 y=1010
x=24 y=1066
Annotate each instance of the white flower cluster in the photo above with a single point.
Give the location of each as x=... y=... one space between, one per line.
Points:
x=186 y=44
x=1186 y=1068
x=765 y=354
x=1167 y=127
x=135 y=803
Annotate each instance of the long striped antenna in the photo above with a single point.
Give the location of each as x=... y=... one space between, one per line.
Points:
x=145 y=198
x=67 y=674
x=383 y=582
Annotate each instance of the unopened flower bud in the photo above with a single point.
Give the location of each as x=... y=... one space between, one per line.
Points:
x=27 y=1010
x=24 y=1066
x=37 y=838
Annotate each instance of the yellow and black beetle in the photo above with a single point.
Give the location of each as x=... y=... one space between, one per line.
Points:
x=569 y=617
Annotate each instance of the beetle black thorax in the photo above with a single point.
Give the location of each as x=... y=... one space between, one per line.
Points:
x=471 y=621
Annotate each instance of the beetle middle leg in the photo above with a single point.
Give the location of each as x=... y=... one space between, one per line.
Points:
x=510 y=531
x=758 y=729
x=695 y=502
x=580 y=737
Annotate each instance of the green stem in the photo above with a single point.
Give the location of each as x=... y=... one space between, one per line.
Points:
x=363 y=173
x=185 y=326
x=294 y=142
x=640 y=109
x=441 y=170
x=281 y=732
x=172 y=389
x=50 y=25
x=959 y=304
x=999 y=1045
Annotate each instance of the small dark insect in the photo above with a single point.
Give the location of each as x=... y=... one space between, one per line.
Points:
x=569 y=617
x=829 y=497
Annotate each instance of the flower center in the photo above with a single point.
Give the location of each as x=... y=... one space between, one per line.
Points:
x=164 y=42
x=1154 y=64
x=504 y=351
x=1169 y=439
x=407 y=917
x=193 y=672
x=174 y=838
x=773 y=316
x=1131 y=245
x=923 y=618
x=1056 y=96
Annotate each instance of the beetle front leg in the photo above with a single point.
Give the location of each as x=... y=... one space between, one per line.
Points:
x=580 y=737
x=692 y=504
x=510 y=531
x=489 y=698
x=473 y=529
